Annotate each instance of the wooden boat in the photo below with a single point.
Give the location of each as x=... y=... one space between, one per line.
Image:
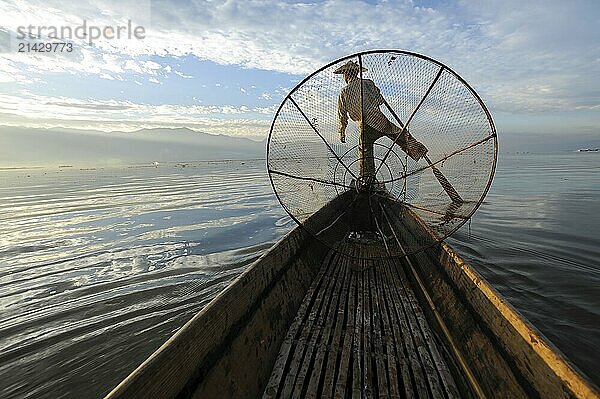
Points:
x=305 y=321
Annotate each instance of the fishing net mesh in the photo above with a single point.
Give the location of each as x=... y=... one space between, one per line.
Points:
x=396 y=100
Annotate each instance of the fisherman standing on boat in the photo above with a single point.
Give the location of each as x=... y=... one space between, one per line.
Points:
x=372 y=123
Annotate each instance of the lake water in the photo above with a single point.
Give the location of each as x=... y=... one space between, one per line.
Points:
x=99 y=267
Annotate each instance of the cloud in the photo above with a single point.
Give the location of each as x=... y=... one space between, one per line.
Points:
x=181 y=74
x=520 y=56
x=97 y=106
x=265 y=96
x=534 y=56
x=32 y=110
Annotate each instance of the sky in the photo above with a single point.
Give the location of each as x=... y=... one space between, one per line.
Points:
x=223 y=67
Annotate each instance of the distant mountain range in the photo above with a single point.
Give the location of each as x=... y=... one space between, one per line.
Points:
x=52 y=147
x=41 y=147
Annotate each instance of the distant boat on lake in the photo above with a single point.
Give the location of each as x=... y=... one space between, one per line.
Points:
x=588 y=150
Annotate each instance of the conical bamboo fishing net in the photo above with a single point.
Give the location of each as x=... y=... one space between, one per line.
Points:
x=416 y=105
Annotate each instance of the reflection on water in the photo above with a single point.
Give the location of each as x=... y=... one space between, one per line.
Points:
x=99 y=267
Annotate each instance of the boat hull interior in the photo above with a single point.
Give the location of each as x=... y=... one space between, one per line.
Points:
x=309 y=320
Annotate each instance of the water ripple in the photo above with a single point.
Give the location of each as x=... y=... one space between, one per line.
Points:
x=99 y=267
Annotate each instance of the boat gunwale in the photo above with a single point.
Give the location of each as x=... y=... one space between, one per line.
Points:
x=173 y=340
x=569 y=374
x=447 y=259
x=289 y=246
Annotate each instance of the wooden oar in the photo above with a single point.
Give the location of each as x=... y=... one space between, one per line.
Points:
x=454 y=196
x=452 y=193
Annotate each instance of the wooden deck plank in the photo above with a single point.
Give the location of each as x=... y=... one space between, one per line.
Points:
x=391 y=356
x=273 y=386
x=336 y=351
x=363 y=335
x=398 y=336
x=417 y=373
x=381 y=388
x=306 y=332
x=431 y=375
x=341 y=374
x=325 y=344
x=367 y=325
x=311 y=347
x=440 y=365
x=357 y=373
